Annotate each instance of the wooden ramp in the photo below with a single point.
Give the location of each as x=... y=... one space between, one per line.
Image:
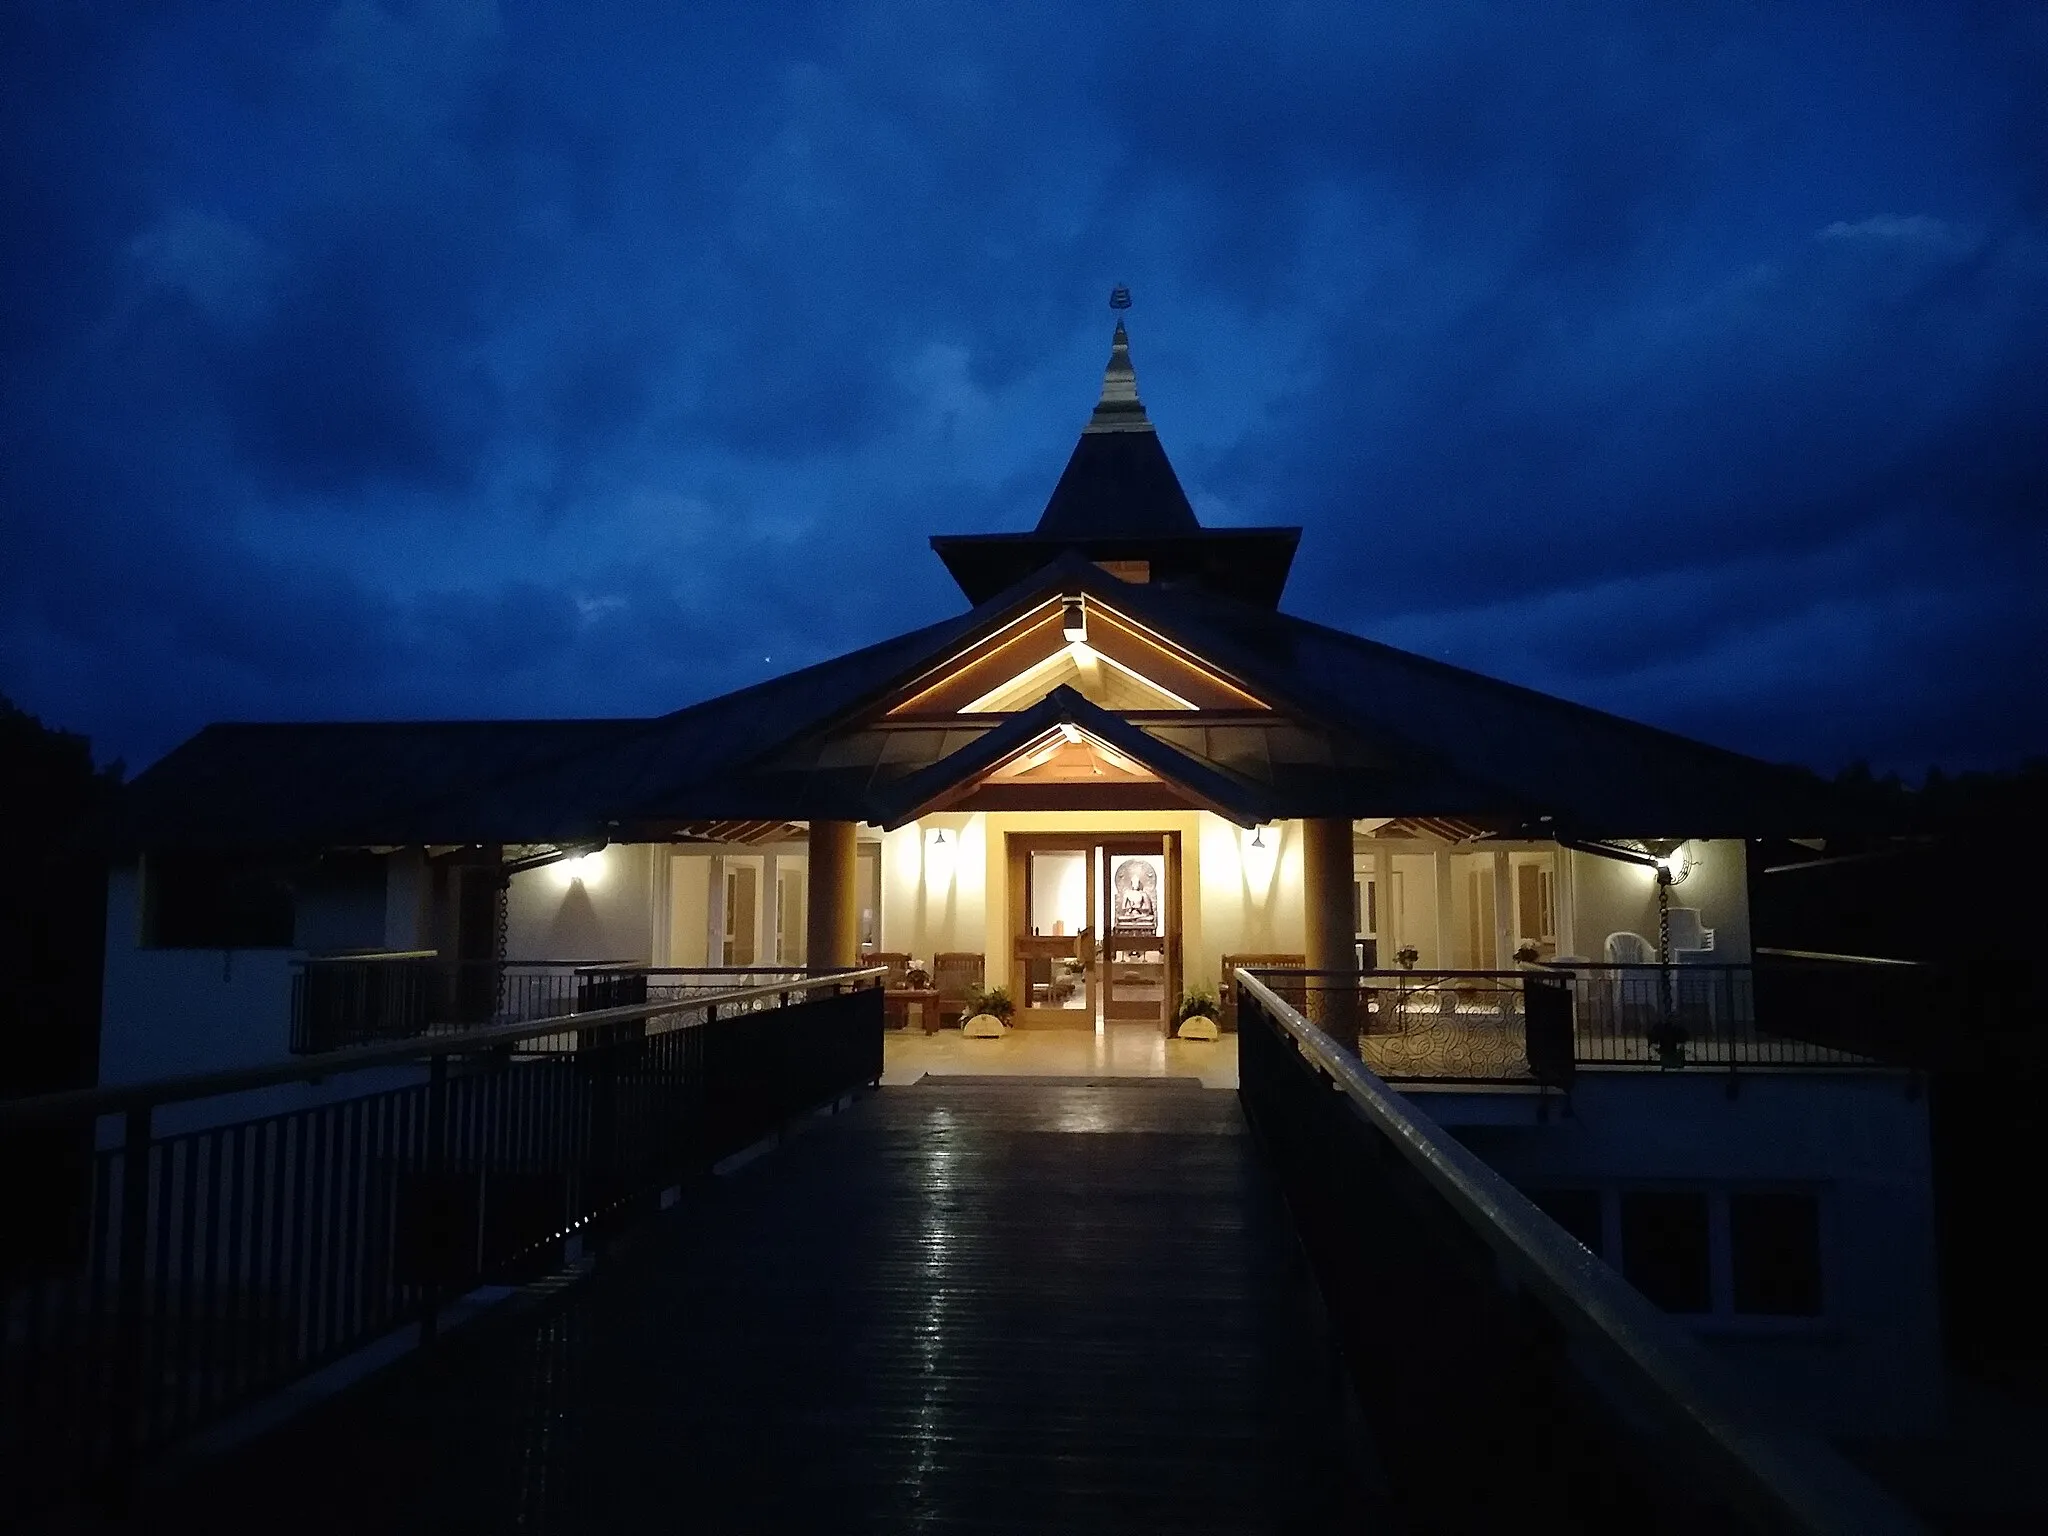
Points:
x=1020 y=1305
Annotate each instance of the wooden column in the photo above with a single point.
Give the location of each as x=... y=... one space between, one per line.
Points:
x=1326 y=902
x=832 y=928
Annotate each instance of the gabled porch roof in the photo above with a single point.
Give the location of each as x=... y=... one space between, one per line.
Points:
x=953 y=777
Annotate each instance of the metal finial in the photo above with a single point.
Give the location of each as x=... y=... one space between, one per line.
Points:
x=1119 y=297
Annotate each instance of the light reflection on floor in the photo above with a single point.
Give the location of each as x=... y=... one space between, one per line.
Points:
x=1119 y=1050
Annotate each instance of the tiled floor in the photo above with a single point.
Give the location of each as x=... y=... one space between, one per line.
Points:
x=1121 y=1050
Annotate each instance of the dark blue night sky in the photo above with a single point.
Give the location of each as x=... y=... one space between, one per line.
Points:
x=386 y=360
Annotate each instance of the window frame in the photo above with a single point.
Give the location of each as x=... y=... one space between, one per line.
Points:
x=152 y=871
x=1721 y=1315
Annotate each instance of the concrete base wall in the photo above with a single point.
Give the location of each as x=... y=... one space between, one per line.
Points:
x=1871 y=1363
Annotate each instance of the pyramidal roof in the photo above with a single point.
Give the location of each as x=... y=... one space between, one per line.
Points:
x=1118 y=483
x=1120 y=504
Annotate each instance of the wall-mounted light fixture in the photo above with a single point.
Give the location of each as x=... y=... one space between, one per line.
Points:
x=939 y=851
x=585 y=869
x=1261 y=854
x=1675 y=864
x=1074 y=620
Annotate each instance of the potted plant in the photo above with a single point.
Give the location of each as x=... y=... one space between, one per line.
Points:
x=1406 y=956
x=1527 y=952
x=1196 y=1015
x=988 y=1013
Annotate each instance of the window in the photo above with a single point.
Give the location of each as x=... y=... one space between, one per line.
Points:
x=742 y=911
x=1722 y=1253
x=213 y=901
x=790 y=915
x=1479 y=935
x=1665 y=1248
x=1535 y=907
x=1371 y=906
x=1774 y=1252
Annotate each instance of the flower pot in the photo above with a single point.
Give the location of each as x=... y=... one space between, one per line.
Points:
x=983 y=1026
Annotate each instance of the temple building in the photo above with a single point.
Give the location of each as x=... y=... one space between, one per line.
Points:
x=1119 y=774
x=1123 y=740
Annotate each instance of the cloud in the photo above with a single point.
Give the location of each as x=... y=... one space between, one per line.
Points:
x=382 y=359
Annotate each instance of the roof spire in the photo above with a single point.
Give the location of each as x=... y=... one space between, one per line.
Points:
x=1119 y=409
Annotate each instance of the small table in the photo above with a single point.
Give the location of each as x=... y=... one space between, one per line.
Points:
x=896 y=1005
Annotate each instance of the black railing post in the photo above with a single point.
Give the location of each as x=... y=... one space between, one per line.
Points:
x=130 y=1328
x=230 y=1260
x=436 y=1158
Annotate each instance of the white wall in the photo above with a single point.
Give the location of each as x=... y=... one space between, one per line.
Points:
x=1251 y=896
x=599 y=908
x=1871 y=1363
x=935 y=895
x=1612 y=896
x=167 y=1012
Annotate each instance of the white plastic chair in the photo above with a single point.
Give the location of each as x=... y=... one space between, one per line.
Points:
x=1630 y=949
x=1632 y=995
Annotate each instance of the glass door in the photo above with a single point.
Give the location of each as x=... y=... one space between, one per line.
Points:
x=1054 y=958
x=1140 y=908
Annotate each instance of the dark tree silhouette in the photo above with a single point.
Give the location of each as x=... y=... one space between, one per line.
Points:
x=52 y=904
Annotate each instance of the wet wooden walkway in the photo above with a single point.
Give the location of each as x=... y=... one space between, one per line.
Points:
x=962 y=1305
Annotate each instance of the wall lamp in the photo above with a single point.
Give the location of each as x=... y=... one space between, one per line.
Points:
x=1675 y=864
x=1261 y=855
x=939 y=851
x=1074 y=620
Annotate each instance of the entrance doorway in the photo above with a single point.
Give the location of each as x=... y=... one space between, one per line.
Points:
x=1096 y=922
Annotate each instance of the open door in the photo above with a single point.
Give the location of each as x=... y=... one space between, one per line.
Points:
x=1053 y=959
x=1174 y=912
x=1141 y=914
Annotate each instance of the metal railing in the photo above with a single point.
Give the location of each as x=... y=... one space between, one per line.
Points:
x=1542 y=1023
x=203 y=1270
x=1511 y=1380
x=362 y=998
